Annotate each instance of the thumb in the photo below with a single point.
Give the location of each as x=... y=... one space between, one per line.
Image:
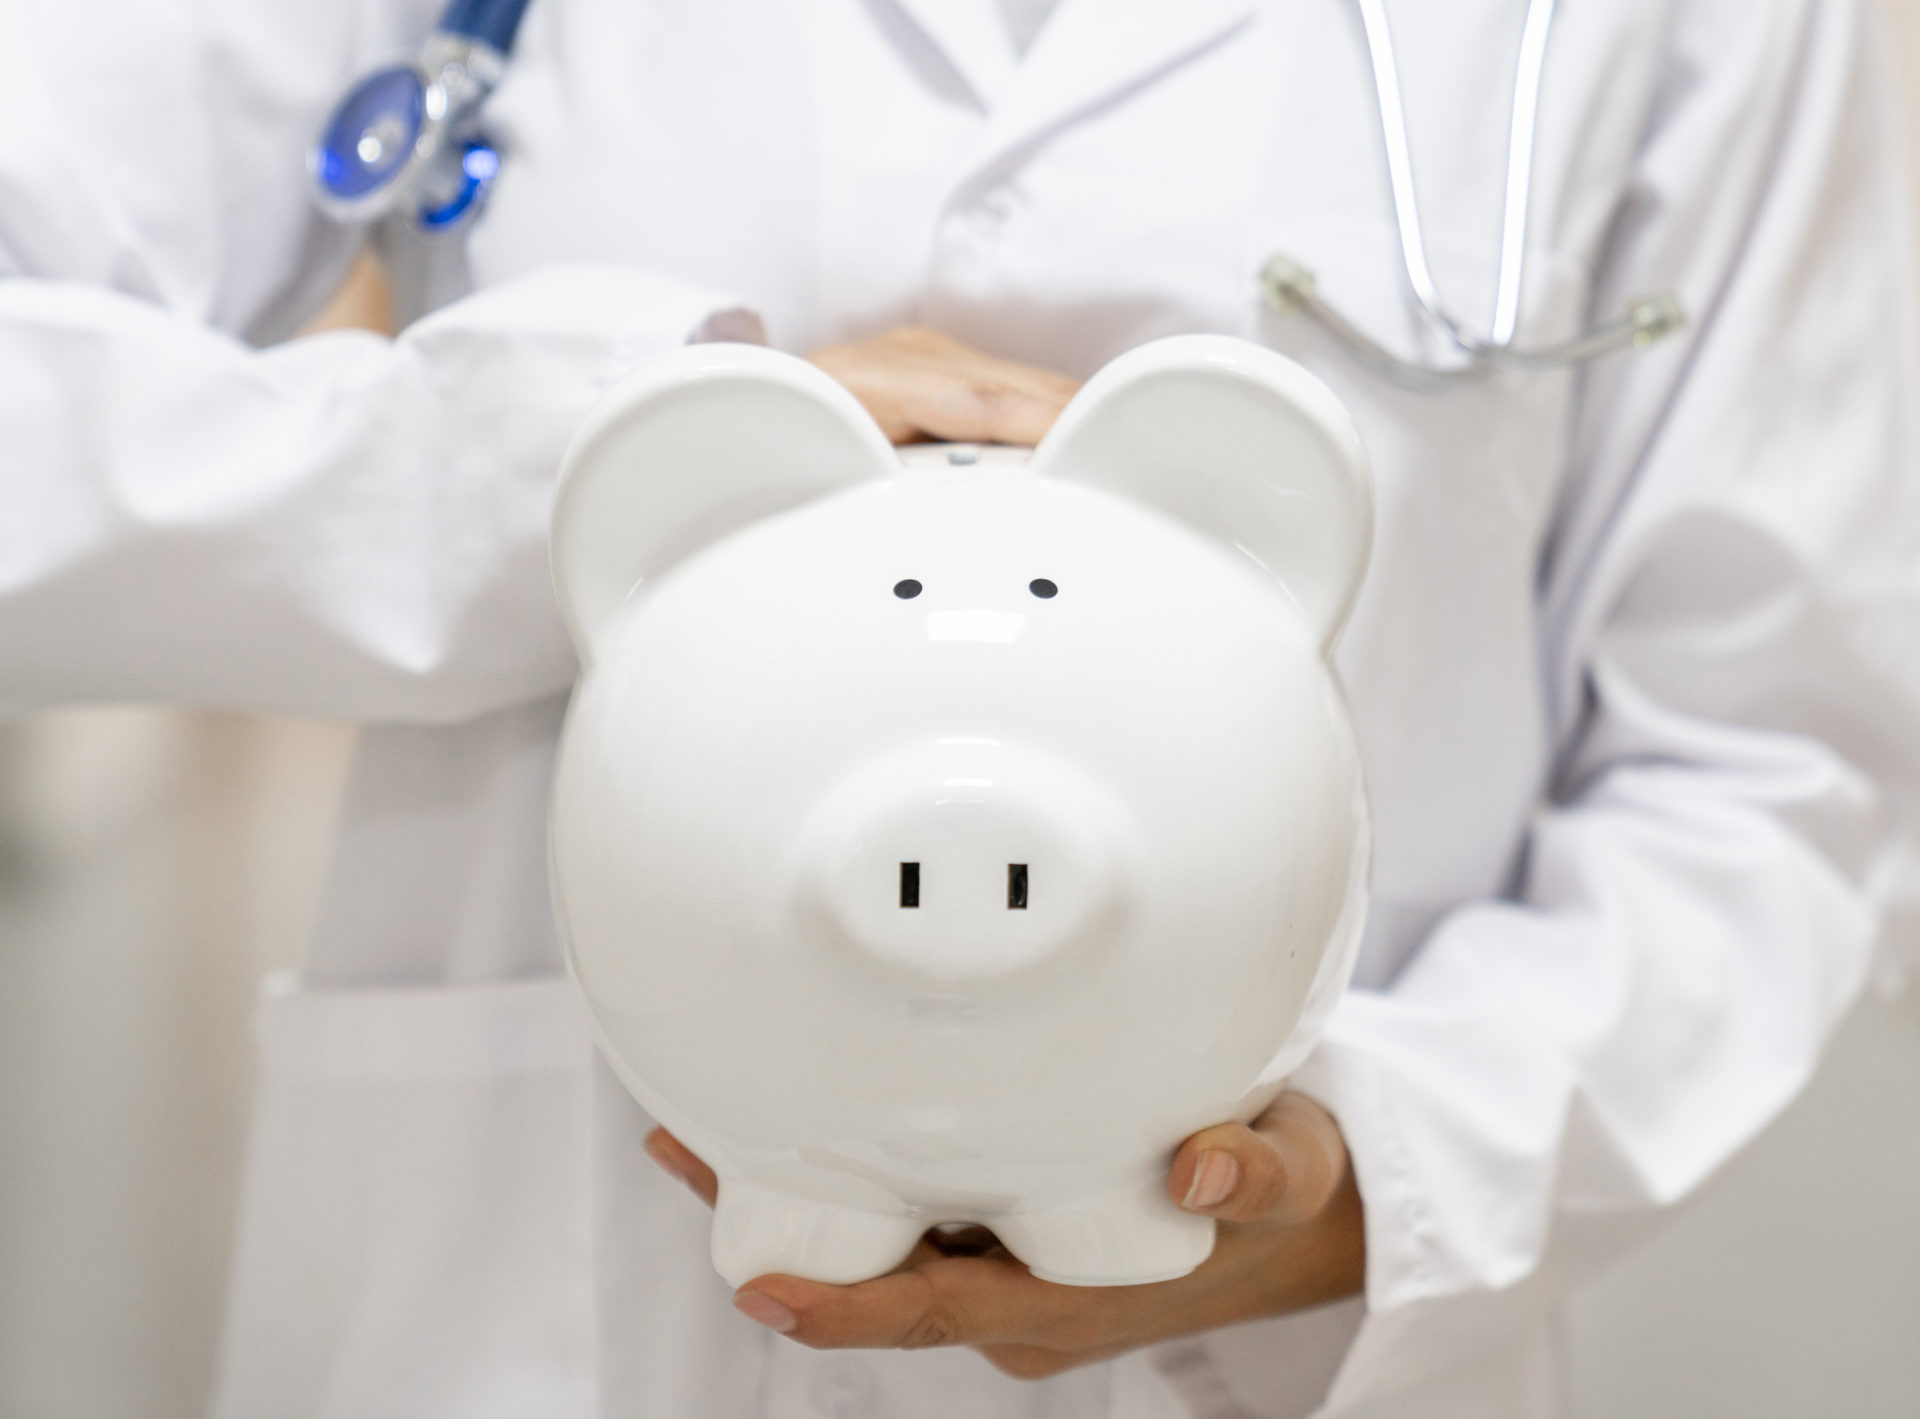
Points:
x=1284 y=1167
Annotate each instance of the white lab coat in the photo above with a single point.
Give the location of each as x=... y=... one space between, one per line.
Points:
x=1631 y=673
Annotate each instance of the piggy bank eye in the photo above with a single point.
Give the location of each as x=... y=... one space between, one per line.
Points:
x=1043 y=588
x=906 y=590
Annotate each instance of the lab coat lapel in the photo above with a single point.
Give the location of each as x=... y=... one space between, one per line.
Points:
x=1090 y=52
x=971 y=37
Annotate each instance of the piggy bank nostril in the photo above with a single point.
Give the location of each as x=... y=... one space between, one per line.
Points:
x=1016 y=885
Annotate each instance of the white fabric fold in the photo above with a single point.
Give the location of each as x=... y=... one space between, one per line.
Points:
x=1699 y=896
x=342 y=525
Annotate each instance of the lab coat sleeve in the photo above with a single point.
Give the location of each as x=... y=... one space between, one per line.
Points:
x=1731 y=607
x=341 y=525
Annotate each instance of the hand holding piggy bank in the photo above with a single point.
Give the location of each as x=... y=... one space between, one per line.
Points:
x=946 y=841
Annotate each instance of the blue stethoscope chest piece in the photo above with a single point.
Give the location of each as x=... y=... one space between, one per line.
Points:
x=406 y=138
x=371 y=136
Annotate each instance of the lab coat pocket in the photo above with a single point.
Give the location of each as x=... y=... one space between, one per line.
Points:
x=415 y=1236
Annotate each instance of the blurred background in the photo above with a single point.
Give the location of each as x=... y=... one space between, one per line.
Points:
x=154 y=865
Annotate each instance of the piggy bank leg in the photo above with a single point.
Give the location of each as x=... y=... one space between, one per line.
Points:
x=757 y=1230
x=1127 y=1237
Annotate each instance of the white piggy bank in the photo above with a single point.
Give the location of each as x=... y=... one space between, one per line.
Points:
x=945 y=841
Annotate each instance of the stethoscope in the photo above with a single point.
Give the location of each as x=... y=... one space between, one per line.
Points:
x=1289 y=286
x=408 y=136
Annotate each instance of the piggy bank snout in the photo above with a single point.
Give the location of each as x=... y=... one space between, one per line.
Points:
x=970 y=867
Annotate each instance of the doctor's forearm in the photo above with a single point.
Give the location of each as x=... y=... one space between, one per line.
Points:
x=338 y=526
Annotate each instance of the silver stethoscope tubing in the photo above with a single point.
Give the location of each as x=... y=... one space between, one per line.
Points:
x=1290 y=287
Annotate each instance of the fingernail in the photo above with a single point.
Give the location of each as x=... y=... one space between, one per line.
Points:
x=765 y=1310
x=1213 y=1180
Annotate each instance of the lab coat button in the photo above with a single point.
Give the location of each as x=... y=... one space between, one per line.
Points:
x=843 y=1388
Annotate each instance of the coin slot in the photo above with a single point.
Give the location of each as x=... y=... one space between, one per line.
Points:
x=910 y=884
x=1016 y=886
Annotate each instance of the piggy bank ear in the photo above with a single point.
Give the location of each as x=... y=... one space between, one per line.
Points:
x=1238 y=443
x=687 y=449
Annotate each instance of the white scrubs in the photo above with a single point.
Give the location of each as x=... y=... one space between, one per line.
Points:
x=1634 y=673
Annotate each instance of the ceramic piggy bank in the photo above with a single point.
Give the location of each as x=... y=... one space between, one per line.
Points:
x=944 y=840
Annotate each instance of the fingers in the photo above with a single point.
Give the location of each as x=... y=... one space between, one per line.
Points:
x=986 y=400
x=1283 y=1169
x=1032 y=1362
x=984 y=1301
x=921 y=384
x=886 y=393
x=907 y=1310
x=682 y=1164
x=962 y=1288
